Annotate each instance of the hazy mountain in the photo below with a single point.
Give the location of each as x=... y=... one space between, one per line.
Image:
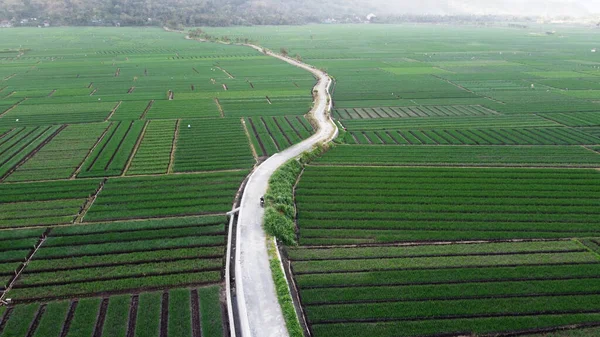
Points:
x=236 y=12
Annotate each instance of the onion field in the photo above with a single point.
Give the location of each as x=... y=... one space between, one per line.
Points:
x=461 y=196
x=121 y=151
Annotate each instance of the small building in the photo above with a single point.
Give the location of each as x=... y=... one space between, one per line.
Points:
x=371 y=17
x=5 y=24
x=46 y=23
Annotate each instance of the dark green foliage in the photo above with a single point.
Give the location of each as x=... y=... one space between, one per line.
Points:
x=280 y=209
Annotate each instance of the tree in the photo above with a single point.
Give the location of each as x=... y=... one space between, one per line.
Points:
x=283 y=51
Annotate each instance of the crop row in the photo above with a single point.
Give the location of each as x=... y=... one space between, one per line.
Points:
x=18 y=143
x=540 y=156
x=130 y=198
x=112 y=153
x=88 y=259
x=210 y=145
x=153 y=154
x=272 y=134
x=358 y=290
x=460 y=122
x=397 y=204
x=62 y=156
x=413 y=111
x=537 y=136
x=177 y=312
x=576 y=118
x=37 y=204
x=46 y=114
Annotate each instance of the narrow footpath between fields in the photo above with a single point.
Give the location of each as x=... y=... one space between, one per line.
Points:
x=258 y=308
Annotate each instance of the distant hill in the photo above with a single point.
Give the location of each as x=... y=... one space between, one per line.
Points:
x=244 y=12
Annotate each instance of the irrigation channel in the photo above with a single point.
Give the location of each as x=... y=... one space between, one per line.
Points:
x=258 y=313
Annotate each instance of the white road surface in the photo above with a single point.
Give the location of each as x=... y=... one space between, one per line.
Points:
x=259 y=311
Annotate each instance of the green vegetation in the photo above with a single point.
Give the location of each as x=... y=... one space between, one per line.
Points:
x=148 y=315
x=51 y=321
x=219 y=140
x=180 y=317
x=84 y=318
x=525 y=156
x=19 y=326
x=115 y=323
x=449 y=135
x=212 y=320
x=280 y=210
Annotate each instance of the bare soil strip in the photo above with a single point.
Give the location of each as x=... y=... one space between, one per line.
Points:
x=90 y=85
x=226 y=72
x=118 y=72
x=305 y=127
x=103 y=146
x=80 y=166
x=69 y=318
x=33 y=153
x=174 y=147
x=51 y=93
x=268 y=100
x=251 y=85
x=22 y=267
x=2 y=89
x=196 y=70
x=130 y=90
x=279 y=148
x=12 y=107
x=5 y=318
x=225 y=87
x=89 y=202
x=36 y=321
x=147 y=109
x=282 y=132
x=219 y=107
x=133 y=309
x=293 y=128
x=254 y=154
x=10 y=94
x=164 y=315
x=101 y=318
x=112 y=157
x=262 y=146
x=135 y=148
x=170 y=95
x=93 y=92
x=196 y=329
x=23 y=146
x=9 y=77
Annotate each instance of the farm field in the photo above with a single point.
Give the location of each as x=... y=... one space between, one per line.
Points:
x=460 y=198
x=121 y=150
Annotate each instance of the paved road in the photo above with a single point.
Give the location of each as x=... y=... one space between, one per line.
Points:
x=259 y=311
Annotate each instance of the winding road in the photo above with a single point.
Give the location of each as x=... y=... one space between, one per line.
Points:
x=258 y=308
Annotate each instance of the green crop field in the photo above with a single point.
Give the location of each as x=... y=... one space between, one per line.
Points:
x=121 y=150
x=461 y=198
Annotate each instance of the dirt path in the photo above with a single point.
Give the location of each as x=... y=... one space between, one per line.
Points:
x=258 y=307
